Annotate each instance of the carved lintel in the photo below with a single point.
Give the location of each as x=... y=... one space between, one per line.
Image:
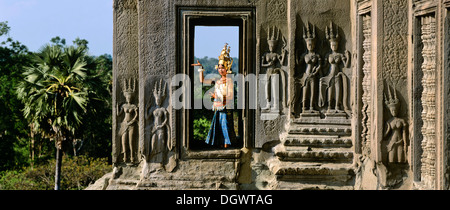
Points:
x=364 y=6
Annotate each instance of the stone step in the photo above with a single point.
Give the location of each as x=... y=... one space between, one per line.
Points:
x=313 y=168
x=311 y=129
x=314 y=141
x=289 y=185
x=169 y=185
x=164 y=182
x=122 y=184
x=314 y=173
x=185 y=185
x=333 y=156
x=340 y=118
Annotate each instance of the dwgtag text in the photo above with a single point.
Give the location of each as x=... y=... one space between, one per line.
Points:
x=246 y=199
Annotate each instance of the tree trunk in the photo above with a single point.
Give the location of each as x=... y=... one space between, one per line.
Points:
x=59 y=154
x=32 y=143
x=32 y=149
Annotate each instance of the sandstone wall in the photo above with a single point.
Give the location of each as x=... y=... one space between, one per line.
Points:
x=373 y=116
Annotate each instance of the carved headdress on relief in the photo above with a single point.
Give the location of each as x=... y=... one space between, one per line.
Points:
x=159 y=92
x=392 y=101
x=331 y=33
x=128 y=88
x=273 y=34
x=309 y=32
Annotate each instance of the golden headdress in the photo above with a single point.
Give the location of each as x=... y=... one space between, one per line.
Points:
x=225 y=59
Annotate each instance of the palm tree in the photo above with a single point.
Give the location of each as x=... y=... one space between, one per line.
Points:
x=55 y=96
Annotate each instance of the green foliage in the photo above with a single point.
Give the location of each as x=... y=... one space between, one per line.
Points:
x=59 y=88
x=95 y=132
x=202 y=117
x=58 y=41
x=15 y=180
x=49 y=72
x=77 y=173
x=81 y=42
x=64 y=93
x=54 y=91
x=209 y=64
x=13 y=127
x=201 y=128
x=4 y=28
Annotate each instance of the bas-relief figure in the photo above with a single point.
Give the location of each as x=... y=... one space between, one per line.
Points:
x=273 y=61
x=334 y=87
x=158 y=145
x=392 y=169
x=395 y=131
x=160 y=142
x=128 y=125
x=308 y=81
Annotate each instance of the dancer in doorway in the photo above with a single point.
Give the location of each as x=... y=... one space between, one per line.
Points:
x=221 y=133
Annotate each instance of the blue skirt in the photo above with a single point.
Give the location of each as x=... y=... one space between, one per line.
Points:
x=221 y=131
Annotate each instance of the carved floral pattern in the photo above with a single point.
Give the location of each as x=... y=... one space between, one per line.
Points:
x=276 y=9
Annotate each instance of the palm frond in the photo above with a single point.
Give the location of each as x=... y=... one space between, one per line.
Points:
x=79 y=69
x=56 y=90
x=81 y=99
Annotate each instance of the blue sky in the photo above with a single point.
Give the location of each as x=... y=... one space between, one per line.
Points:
x=209 y=40
x=35 y=22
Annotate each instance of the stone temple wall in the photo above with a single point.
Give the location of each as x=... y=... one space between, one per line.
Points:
x=356 y=95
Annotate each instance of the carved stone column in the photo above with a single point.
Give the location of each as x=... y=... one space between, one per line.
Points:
x=125 y=64
x=445 y=77
x=428 y=115
x=389 y=63
x=157 y=139
x=273 y=16
x=366 y=84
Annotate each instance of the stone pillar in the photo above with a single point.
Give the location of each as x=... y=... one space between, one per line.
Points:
x=389 y=64
x=156 y=68
x=445 y=87
x=125 y=70
x=272 y=23
x=429 y=99
x=383 y=69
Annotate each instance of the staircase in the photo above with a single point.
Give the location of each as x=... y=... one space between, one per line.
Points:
x=315 y=154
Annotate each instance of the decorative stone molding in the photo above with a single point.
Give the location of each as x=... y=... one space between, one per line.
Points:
x=428 y=67
x=366 y=84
